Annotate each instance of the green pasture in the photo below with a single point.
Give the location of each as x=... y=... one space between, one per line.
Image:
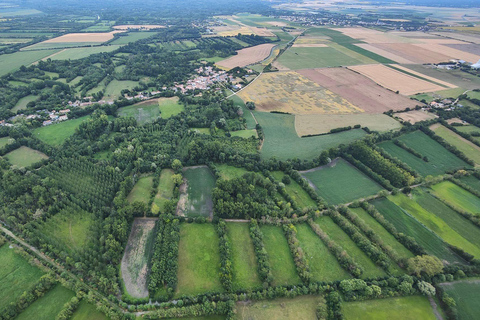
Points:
x=59 y=45
x=80 y=53
x=164 y=191
x=370 y=269
x=132 y=37
x=24 y=156
x=300 y=308
x=56 y=134
x=142 y=190
x=199 y=192
x=22 y=103
x=244 y=133
x=282 y=141
x=341 y=183
x=315 y=57
x=13 y=61
x=48 y=306
x=87 y=311
x=170 y=107
x=247 y=115
x=402 y=308
x=323 y=265
x=114 y=89
x=229 y=172
x=198 y=260
x=16 y=275
x=457 y=197
x=471 y=150
x=243 y=257
x=465 y=293
x=380 y=231
x=4 y=141
x=143 y=112
x=411 y=227
x=299 y=195
x=470 y=129
x=279 y=256
x=471 y=180
x=434 y=223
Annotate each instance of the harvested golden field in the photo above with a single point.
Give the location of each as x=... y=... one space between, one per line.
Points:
x=460 y=36
x=359 y=90
x=83 y=37
x=395 y=80
x=449 y=85
x=293 y=93
x=247 y=56
x=311 y=40
x=323 y=123
x=415 y=116
x=263 y=32
x=231 y=31
x=451 y=52
x=309 y=45
x=384 y=53
x=138 y=27
x=413 y=52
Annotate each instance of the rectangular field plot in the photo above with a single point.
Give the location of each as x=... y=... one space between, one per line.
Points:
x=435 y=224
x=16 y=275
x=472 y=181
x=86 y=311
x=465 y=294
x=170 y=107
x=243 y=256
x=340 y=182
x=80 y=53
x=279 y=256
x=22 y=103
x=415 y=307
x=198 y=260
x=143 y=112
x=411 y=227
x=164 y=191
x=137 y=256
x=11 y=62
x=370 y=270
x=198 y=199
x=142 y=189
x=471 y=150
x=48 y=306
x=114 y=89
x=315 y=57
x=386 y=236
x=282 y=142
x=301 y=308
x=323 y=265
x=228 y=172
x=24 y=156
x=56 y=134
x=300 y=196
x=457 y=197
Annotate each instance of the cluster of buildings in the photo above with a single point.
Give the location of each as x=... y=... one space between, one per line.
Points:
x=207 y=76
x=53 y=117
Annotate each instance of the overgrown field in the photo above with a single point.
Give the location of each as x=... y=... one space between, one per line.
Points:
x=87 y=311
x=340 y=182
x=229 y=172
x=56 y=134
x=48 y=306
x=200 y=183
x=24 y=156
x=299 y=195
x=458 y=197
x=465 y=294
x=170 y=107
x=143 y=112
x=164 y=191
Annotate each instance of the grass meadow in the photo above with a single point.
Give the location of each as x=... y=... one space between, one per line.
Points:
x=164 y=191
x=457 y=197
x=56 y=134
x=279 y=256
x=4 y=141
x=323 y=265
x=386 y=236
x=24 y=156
x=465 y=295
x=247 y=115
x=317 y=57
x=13 y=61
x=86 y=311
x=142 y=190
x=114 y=89
x=300 y=308
x=282 y=141
x=472 y=181
x=132 y=37
x=243 y=257
x=80 y=53
x=48 y=306
x=198 y=260
x=16 y=275
x=199 y=192
x=370 y=270
x=299 y=195
x=471 y=150
x=434 y=223
x=22 y=103
x=411 y=227
x=244 y=133
x=414 y=307
x=229 y=172
x=470 y=130
x=143 y=112
x=341 y=183
x=170 y=107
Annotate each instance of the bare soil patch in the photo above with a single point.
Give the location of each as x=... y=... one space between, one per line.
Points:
x=374 y=36
x=416 y=116
x=247 y=56
x=359 y=90
x=84 y=37
x=396 y=80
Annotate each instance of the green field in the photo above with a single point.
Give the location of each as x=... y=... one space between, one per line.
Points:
x=80 y=53
x=411 y=227
x=249 y=120
x=198 y=260
x=244 y=133
x=300 y=196
x=300 y=308
x=199 y=192
x=458 y=197
x=370 y=270
x=13 y=61
x=142 y=189
x=24 y=156
x=404 y=308
x=318 y=57
x=440 y=159
x=114 y=89
x=279 y=256
x=229 y=172
x=170 y=107
x=282 y=141
x=465 y=295
x=22 y=103
x=470 y=130
x=380 y=231
x=471 y=150
x=243 y=257
x=132 y=37
x=56 y=134
x=342 y=183
x=323 y=265
x=16 y=275
x=164 y=191
x=143 y=112
x=434 y=223
x=4 y=141
x=468 y=180
x=86 y=311
x=70 y=227
x=48 y=306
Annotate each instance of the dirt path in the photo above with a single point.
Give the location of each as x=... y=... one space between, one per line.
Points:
x=434 y=305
